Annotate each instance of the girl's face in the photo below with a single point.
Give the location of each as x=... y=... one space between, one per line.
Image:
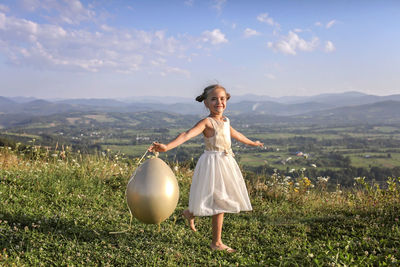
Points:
x=216 y=101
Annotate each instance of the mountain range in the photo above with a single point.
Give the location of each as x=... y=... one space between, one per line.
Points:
x=340 y=107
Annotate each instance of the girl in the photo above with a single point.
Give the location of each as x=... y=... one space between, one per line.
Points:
x=217 y=184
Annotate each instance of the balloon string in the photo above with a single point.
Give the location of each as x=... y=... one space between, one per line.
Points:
x=126 y=191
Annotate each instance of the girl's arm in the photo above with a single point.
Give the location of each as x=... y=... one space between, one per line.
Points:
x=180 y=139
x=241 y=138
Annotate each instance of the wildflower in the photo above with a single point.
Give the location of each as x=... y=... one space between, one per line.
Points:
x=303 y=169
x=323 y=179
x=313 y=165
x=311 y=255
x=291 y=170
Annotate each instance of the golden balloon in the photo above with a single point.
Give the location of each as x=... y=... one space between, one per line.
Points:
x=152 y=192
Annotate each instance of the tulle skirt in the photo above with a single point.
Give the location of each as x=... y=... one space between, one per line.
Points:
x=217 y=186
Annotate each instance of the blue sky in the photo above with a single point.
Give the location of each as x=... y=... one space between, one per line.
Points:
x=117 y=49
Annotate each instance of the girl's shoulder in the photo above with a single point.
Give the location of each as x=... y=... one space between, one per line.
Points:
x=205 y=121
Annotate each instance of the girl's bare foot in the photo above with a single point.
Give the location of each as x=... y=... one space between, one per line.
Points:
x=190 y=218
x=222 y=247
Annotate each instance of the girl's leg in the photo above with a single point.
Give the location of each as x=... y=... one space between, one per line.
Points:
x=217 y=221
x=189 y=216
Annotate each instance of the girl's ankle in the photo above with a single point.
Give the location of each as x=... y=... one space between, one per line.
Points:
x=216 y=244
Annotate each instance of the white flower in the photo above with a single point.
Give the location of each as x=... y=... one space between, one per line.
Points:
x=323 y=179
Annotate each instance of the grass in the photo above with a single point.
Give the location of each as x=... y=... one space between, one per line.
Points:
x=58 y=208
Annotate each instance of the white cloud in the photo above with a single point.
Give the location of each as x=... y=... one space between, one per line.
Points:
x=330 y=24
x=218 y=4
x=189 y=2
x=106 y=28
x=215 y=37
x=30 y=5
x=270 y=76
x=71 y=12
x=318 y=24
x=265 y=18
x=329 y=47
x=47 y=46
x=178 y=71
x=4 y=8
x=250 y=32
x=291 y=43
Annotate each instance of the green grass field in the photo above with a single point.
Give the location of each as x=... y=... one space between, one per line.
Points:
x=58 y=208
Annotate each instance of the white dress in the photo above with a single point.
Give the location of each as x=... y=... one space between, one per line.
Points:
x=217 y=183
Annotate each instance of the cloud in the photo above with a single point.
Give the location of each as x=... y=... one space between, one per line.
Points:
x=318 y=24
x=215 y=37
x=46 y=46
x=218 y=4
x=291 y=43
x=4 y=8
x=250 y=32
x=265 y=18
x=30 y=5
x=270 y=76
x=329 y=47
x=178 y=71
x=330 y=24
x=71 y=12
x=189 y=2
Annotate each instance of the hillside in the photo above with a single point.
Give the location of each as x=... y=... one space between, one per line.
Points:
x=61 y=208
x=247 y=104
x=380 y=112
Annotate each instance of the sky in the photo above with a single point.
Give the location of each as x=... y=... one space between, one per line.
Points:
x=121 y=49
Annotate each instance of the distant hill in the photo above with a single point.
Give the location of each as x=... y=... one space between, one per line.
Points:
x=342 y=107
x=22 y=99
x=94 y=102
x=386 y=112
x=5 y=102
x=380 y=112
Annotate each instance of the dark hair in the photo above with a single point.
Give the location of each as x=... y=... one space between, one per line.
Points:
x=208 y=89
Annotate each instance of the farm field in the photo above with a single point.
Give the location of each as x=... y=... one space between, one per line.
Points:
x=340 y=152
x=59 y=207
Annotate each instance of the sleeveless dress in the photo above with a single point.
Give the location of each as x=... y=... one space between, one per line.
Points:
x=217 y=184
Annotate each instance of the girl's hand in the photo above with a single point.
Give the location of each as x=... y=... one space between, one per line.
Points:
x=157 y=147
x=258 y=143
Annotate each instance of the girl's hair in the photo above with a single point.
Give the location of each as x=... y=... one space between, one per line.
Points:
x=208 y=89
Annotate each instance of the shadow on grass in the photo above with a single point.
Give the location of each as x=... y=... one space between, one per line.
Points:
x=20 y=225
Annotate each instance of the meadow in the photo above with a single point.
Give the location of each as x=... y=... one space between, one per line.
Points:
x=58 y=207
